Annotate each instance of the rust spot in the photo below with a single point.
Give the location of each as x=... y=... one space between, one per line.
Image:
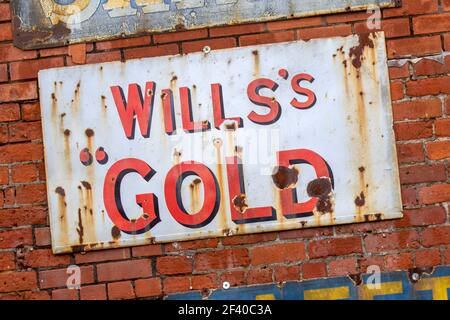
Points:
x=360 y=200
x=303 y=223
x=361 y=169
x=86 y=185
x=419 y=272
x=67 y=132
x=115 y=232
x=196 y=182
x=163 y=95
x=60 y=31
x=357 y=52
x=60 y=191
x=239 y=203
x=324 y=205
x=80 y=229
x=78 y=248
x=319 y=188
x=89 y=133
x=231 y=126
x=174 y=78
x=356 y=278
x=180 y=27
x=285 y=177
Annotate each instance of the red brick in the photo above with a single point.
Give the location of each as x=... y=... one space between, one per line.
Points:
x=32 y=193
x=42 y=236
x=294 y=23
x=412 y=7
x=151 y=51
x=446 y=256
x=93 y=292
x=3 y=73
x=334 y=247
x=410 y=152
x=180 y=36
x=173 y=265
x=324 y=32
x=122 y=270
x=397 y=89
x=236 y=30
x=104 y=255
x=431 y=23
x=4 y=176
x=123 y=43
x=347 y=17
x=430 y=86
x=18 y=91
x=264 y=38
x=15 y=238
x=423 y=173
x=9 y=112
x=417 y=46
x=148 y=287
x=7 y=261
x=65 y=294
x=214 y=44
x=77 y=52
x=48 y=52
x=258 y=276
x=5 y=13
x=417 y=109
x=8 y=52
x=39 y=258
x=17 y=281
x=413 y=130
x=428 y=258
x=25 y=131
x=3 y=133
x=398 y=261
x=147 y=251
x=434 y=194
x=248 y=239
x=422 y=217
x=36 y=295
x=438 y=150
x=190 y=245
x=57 y=278
x=234 y=278
x=357 y=228
x=312 y=270
x=426 y=67
x=121 y=290
x=447 y=42
x=29 y=69
x=24 y=173
x=305 y=233
x=436 y=236
x=31 y=111
x=369 y=261
x=204 y=281
x=103 y=57
x=383 y=242
x=399 y=72
x=392 y=28
x=446 y=5
x=442 y=127
x=176 y=284
x=409 y=196
x=275 y=253
x=287 y=273
x=221 y=259
x=342 y=267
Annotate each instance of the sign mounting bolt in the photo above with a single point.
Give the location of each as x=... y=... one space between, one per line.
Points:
x=206 y=49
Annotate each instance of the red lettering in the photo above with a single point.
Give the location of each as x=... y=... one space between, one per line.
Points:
x=310 y=95
x=168 y=110
x=218 y=107
x=186 y=113
x=136 y=107
x=270 y=102
x=112 y=201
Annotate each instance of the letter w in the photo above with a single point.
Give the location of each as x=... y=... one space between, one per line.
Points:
x=136 y=107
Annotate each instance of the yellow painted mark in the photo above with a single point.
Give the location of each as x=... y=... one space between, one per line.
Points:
x=438 y=287
x=327 y=294
x=269 y=296
x=367 y=292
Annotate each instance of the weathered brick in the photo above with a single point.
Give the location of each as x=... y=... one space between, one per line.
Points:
x=275 y=253
x=121 y=290
x=382 y=242
x=148 y=287
x=334 y=247
x=221 y=259
x=17 y=281
x=173 y=265
x=123 y=270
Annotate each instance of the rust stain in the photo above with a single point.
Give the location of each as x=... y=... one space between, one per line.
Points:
x=62 y=211
x=115 y=233
x=321 y=189
x=356 y=53
x=80 y=229
x=60 y=191
x=285 y=177
x=360 y=200
x=89 y=133
x=222 y=221
x=256 y=63
x=195 y=195
x=239 y=203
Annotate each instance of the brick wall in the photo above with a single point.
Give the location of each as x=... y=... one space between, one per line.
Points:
x=418 y=44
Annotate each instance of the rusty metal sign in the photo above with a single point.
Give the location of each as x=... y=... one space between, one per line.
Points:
x=237 y=141
x=45 y=23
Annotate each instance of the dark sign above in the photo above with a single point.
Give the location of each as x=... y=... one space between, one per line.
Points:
x=50 y=23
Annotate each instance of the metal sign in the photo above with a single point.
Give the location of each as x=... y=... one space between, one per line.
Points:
x=244 y=140
x=44 y=23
